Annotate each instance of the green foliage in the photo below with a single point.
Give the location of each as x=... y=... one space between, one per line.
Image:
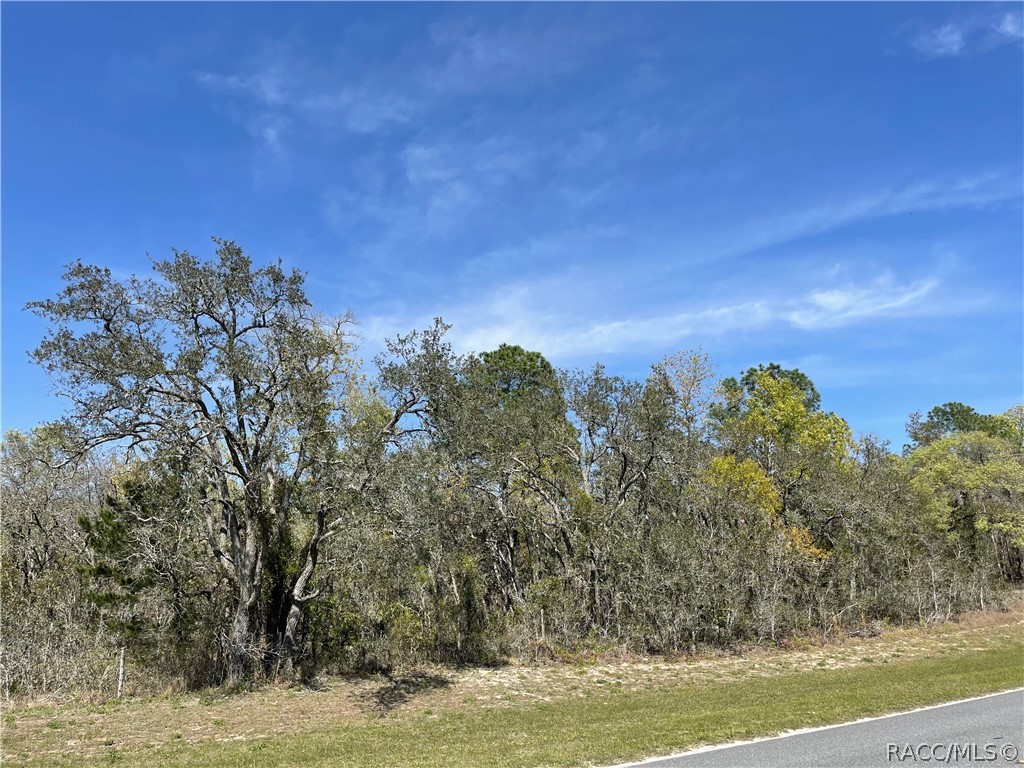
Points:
x=148 y=574
x=973 y=487
x=280 y=513
x=517 y=374
x=955 y=418
x=746 y=483
x=753 y=379
x=223 y=368
x=774 y=425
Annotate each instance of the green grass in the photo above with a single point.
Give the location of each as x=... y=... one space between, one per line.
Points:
x=603 y=727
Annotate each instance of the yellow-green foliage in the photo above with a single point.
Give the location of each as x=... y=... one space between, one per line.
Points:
x=368 y=412
x=973 y=473
x=774 y=425
x=778 y=416
x=744 y=482
x=801 y=540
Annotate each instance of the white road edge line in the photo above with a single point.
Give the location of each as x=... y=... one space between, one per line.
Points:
x=787 y=734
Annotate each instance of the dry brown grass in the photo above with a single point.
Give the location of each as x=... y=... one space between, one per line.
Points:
x=33 y=729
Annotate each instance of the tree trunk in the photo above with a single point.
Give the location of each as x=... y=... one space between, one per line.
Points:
x=240 y=641
x=299 y=595
x=290 y=650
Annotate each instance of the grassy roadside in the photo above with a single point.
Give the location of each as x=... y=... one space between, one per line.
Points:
x=601 y=724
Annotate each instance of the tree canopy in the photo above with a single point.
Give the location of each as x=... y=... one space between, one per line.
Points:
x=226 y=370
x=232 y=497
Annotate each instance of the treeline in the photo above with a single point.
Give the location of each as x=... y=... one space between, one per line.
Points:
x=229 y=499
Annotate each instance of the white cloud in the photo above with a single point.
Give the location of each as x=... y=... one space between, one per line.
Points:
x=531 y=315
x=937 y=194
x=840 y=306
x=975 y=33
x=569 y=246
x=511 y=320
x=269 y=129
x=515 y=57
x=494 y=161
x=1010 y=26
x=266 y=84
x=947 y=40
x=574 y=312
x=364 y=108
x=438 y=184
x=281 y=86
x=453 y=60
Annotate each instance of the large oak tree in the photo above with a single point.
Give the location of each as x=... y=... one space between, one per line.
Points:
x=227 y=368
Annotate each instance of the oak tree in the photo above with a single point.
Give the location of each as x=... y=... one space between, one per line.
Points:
x=227 y=368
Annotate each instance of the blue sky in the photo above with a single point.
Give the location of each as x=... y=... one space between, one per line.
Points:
x=836 y=187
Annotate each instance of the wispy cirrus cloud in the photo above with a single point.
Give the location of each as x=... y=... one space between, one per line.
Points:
x=284 y=88
x=974 y=33
x=515 y=57
x=529 y=315
x=836 y=307
x=569 y=246
x=600 y=260
x=432 y=186
x=947 y=40
x=589 y=222
x=451 y=61
x=799 y=222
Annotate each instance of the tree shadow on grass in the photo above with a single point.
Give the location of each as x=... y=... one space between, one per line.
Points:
x=400 y=689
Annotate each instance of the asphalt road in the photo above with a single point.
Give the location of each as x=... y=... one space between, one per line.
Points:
x=994 y=725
